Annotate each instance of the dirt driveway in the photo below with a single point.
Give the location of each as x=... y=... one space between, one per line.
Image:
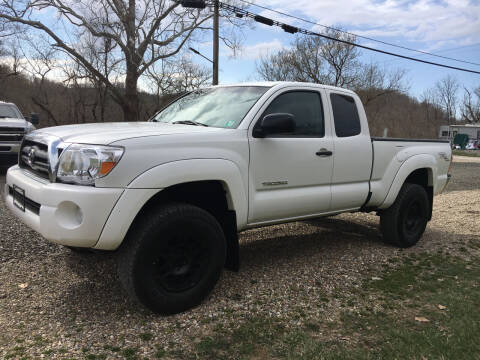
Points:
x=57 y=304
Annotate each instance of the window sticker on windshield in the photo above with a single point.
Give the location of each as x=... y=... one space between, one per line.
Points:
x=230 y=123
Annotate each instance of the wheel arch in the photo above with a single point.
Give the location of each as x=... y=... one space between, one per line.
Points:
x=214 y=185
x=419 y=169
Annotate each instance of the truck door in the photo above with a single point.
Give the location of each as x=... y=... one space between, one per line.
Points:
x=290 y=174
x=352 y=153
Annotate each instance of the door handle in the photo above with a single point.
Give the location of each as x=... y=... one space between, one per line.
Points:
x=323 y=152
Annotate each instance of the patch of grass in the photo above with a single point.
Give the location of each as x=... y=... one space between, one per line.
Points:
x=383 y=329
x=146 y=336
x=40 y=341
x=471 y=153
x=161 y=352
x=312 y=326
x=130 y=353
x=95 y=356
x=242 y=340
x=16 y=353
x=111 y=348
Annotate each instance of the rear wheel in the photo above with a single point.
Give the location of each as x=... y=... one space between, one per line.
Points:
x=404 y=223
x=172 y=258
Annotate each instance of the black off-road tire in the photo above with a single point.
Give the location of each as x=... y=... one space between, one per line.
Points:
x=172 y=258
x=404 y=223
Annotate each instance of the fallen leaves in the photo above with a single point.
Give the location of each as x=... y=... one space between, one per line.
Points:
x=23 y=286
x=441 y=307
x=421 y=319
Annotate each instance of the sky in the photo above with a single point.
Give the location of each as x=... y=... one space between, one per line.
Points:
x=446 y=27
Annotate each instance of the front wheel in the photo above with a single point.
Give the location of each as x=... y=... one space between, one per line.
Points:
x=404 y=223
x=172 y=258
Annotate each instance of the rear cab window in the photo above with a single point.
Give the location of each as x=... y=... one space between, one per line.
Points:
x=345 y=115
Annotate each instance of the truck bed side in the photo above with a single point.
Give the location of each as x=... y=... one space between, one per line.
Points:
x=396 y=159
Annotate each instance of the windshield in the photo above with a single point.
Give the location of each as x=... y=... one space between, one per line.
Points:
x=9 y=111
x=218 y=107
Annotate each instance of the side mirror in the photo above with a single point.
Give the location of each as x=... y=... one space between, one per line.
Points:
x=34 y=119
x=279 y=123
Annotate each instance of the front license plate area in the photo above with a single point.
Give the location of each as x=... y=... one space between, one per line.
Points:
x=19 y=197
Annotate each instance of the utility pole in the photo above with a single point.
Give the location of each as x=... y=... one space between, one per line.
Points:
x=215 y=42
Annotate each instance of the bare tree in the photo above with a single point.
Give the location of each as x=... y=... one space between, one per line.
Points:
x=446 y=91
x=470 y=107
x=10 y=58
x=141 y=32
x=40 y=60
x=177 y=76
x=374 y=81
x=277 y=66
x=98 y=51
x=314 y=59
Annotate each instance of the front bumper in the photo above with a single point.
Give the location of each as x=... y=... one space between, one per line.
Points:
x=67 y=214
x=9 y=153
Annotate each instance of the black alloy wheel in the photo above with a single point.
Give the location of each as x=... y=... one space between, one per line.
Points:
x=404 y=222
x=172 y=258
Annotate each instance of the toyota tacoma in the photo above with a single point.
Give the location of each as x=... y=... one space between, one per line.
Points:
x=171 y=195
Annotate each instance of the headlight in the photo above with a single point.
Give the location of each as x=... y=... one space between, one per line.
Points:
x=29 y=128
x=82 y=164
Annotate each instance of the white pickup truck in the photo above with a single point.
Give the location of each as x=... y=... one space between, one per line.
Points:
x=172 y=194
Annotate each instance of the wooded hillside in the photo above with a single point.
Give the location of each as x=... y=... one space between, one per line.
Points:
x=58 y=104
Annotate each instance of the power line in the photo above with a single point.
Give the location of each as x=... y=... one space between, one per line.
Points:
x=359 y=36
x=443 y=50
x=239 y=12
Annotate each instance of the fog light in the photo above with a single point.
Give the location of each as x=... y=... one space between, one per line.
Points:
x=69 y=215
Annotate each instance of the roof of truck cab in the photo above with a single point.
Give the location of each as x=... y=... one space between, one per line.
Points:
x=281 y=84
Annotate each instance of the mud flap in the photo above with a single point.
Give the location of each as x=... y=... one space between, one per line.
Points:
x=229 y=225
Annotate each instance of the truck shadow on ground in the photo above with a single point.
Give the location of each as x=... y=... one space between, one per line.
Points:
x=329 y=243
x=323 y=235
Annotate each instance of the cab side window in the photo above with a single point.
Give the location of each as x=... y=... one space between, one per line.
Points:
x=306 y=107
x=345 y=115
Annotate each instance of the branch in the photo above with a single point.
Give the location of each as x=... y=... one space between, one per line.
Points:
x=66 y=48
x=166 y=42
x=148 y=38
x=68 y=11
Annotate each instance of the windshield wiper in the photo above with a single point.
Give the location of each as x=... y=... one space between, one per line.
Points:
x=189 y=122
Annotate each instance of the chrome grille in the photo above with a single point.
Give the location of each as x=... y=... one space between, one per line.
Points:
x=11 y=134
x=11 y=129
x=34 y=157
x=39 y=155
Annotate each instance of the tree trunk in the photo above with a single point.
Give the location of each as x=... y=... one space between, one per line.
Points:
x=131 y=104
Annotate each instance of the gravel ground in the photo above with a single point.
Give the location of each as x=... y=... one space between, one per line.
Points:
x=57 y=304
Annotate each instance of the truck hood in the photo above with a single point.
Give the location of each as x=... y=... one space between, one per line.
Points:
x=11 y=122
x=107 y=133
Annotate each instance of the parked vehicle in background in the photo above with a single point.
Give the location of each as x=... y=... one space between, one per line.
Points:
x=460 y=140
x=172 y=194
x=472 y=145
x=13 y=127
